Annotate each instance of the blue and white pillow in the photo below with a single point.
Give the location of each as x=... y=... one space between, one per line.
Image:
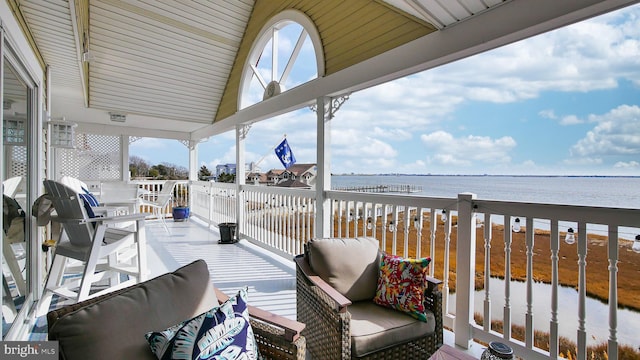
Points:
x=89 y=200
x=224 y=332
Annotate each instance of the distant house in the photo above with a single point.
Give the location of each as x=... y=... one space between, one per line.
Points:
x=297 y=175
x=293 y=184
x=256 y=178
x=225 y=169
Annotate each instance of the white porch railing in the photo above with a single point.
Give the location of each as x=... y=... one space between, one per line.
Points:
x=282 y=220
x=151 y=188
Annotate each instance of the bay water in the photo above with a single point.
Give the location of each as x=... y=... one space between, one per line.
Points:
x=622 y=192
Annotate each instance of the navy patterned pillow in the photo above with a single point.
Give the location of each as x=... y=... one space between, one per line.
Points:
x=224 y=332
x=89 y=201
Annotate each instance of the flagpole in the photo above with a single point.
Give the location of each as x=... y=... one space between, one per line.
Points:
x=270 y=151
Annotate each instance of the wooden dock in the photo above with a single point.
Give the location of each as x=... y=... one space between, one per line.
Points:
x=392 y=188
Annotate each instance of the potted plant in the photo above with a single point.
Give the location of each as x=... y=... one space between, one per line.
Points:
x=181 y=212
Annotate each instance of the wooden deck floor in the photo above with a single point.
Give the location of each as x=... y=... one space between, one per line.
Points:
x=269 y=277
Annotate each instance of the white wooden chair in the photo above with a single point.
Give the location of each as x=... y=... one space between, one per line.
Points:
x=90 y=240
x=163 y=199
x=119 y=193
x=11 y=186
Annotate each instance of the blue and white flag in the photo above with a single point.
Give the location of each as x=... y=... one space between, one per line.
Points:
x=284 y=153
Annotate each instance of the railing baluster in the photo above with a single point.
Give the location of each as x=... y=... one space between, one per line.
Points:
x=418 y=225
x=339 y=215
x=394 y=230
x=530 y=232
x=582 y=290
x=374 y=216
x=507 y=278
x=487 y=272
x=383 y=221
x=612 y=343
x=553 y=323
x=447 y=254
x=433 y=226
x=407 y=225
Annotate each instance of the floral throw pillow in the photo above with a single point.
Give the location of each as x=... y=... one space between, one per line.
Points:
x=402 y=283
x=224 y=332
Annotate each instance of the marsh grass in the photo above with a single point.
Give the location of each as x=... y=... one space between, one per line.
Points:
x=567 y=348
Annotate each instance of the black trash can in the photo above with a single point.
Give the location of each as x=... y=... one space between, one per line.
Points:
x=227 y=233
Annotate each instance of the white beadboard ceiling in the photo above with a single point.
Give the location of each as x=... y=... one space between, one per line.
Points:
x=165 y=63
x=443 y=13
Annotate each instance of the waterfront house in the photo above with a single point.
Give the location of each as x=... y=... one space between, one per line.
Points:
x=115 y=71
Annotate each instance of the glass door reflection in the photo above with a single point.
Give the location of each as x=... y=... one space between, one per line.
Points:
x=15 y=257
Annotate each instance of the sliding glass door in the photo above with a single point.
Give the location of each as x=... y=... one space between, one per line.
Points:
x=18 y=149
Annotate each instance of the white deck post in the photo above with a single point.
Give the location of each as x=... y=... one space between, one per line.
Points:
x=193 y=166
x=193 y=160
x=124 y=160
x=465 y=270
x=323 y=176
x=241 y=135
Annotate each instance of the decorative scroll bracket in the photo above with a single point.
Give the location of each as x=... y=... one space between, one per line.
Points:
x=333 y=105
x=244 y=131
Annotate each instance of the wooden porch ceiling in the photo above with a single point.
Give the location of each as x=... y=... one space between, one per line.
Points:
x=168 y=64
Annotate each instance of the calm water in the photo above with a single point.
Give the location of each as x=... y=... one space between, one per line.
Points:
x=621 y=192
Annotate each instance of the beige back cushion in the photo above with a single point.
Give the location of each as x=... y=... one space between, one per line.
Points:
x=114 y=328
x=349 y=265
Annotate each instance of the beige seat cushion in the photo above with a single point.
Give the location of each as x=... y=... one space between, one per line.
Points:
x=349 y=265
x=374 y=327
x=114 y=327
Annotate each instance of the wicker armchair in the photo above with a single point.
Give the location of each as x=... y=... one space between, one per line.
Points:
x=331 y=318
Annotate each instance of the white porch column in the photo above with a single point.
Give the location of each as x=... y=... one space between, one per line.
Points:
x=193 y=164
x=241 y=135
x=193 y=160
x=124 y=151
x=465 y=270
x=323 y=175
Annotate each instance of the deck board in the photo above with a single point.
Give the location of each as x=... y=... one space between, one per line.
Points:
x=269 y=277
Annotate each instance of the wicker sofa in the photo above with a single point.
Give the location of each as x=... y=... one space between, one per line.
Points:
x=112 y=326
x=336 y=284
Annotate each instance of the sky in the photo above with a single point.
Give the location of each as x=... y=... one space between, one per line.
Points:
x=566 y=102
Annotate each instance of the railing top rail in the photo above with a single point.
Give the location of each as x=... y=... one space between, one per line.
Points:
x=579 y=213
x=279 y=190
x=394 y=199
x=214 y=184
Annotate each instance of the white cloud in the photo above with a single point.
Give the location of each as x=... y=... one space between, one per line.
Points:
x=616 y=133
x=395 y=134
x=548 y=114
x=148 y=143
x=465 y=151
x=627 y=165
x=571 y=120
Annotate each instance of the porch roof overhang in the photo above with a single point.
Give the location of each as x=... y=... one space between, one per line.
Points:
x=169 y=67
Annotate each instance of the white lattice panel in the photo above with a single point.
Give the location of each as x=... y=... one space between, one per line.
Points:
x=17 y=161
x=96 y=157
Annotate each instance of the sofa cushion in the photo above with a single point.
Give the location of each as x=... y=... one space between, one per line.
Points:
x=114 y=326
x=349 y=265
x=222 y=332
x=374 y=327
x=401 y=284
